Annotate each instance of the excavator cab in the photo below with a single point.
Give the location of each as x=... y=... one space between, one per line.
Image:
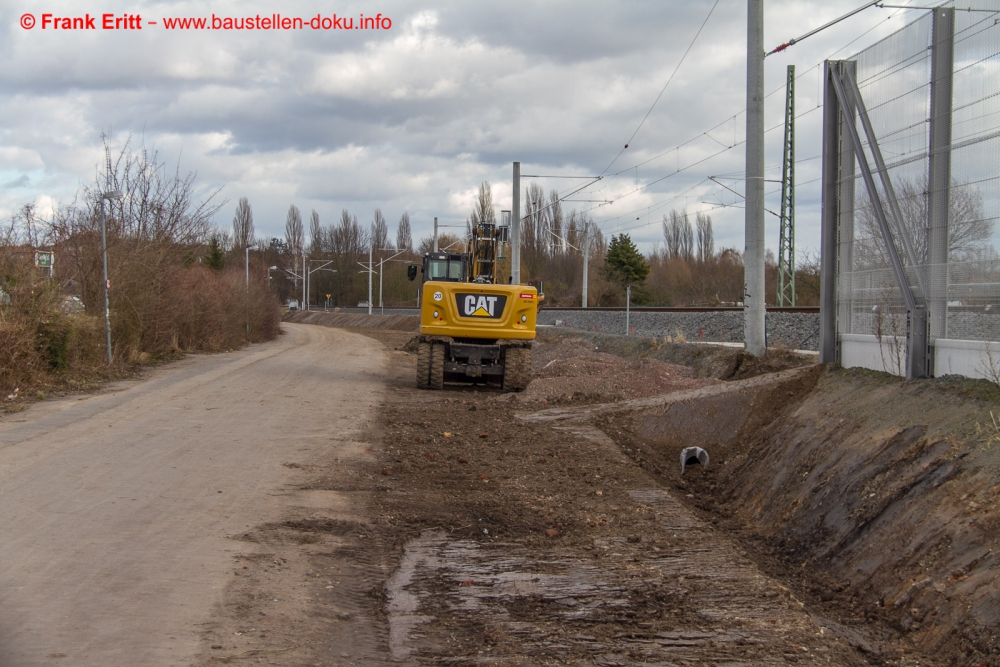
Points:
x=440 y=266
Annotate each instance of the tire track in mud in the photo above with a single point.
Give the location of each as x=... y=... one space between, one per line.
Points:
x=693 y=600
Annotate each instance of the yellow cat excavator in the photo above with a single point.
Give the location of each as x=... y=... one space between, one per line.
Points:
x=474 y=327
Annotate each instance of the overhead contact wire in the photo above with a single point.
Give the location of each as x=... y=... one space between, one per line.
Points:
x=664 y=89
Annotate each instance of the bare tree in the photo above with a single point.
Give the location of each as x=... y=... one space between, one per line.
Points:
x=483 y=209
x=293 y=231
x=159 y=206
x=672 y=234
x=315 y=234
x=380 y=231
x=679 y=235
x=596 y=242
x=25 y=228
x=573 y=231
x=535 y=237
x=347 y=238
x=155 y=227
x=969 y=229
x=344 y=243
x=687 y=238
x=446 y=243
x=243 y=232
x=706 y=239
x=404 y=236
x=557 y=238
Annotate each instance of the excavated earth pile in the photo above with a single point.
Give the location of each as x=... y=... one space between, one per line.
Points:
x=571 y=371
x=532 y=542
x=703 y=360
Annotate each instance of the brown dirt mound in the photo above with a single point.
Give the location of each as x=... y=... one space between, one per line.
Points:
x=706 y=360
x=571 y=370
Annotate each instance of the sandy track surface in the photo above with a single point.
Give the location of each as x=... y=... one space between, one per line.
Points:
x=118 y=511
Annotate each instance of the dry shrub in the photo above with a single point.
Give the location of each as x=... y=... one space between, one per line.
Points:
x=199 y=310
x=161 y=301
x=159 y=305
x=19 y=361
x=206 y=310
x=85 y=345
x=40 y=345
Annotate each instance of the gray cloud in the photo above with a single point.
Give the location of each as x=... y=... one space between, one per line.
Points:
x=416 y=117
x=20 y=182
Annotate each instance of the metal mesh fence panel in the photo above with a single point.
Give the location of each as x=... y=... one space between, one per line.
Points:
x=973 y=266
x=941 y=147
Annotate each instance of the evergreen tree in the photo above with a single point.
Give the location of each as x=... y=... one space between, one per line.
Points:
x=624 y=264
x=215 y=258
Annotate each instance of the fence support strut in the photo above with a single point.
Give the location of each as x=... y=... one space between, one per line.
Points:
x=939 y=167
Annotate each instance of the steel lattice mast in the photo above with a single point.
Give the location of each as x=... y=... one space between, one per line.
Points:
x=786 y=243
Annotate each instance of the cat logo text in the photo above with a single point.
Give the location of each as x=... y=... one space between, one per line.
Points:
x=481 y=305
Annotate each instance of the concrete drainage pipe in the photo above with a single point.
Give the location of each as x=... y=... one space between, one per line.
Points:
x=693 y=455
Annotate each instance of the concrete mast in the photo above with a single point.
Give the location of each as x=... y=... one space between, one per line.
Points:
x=515 y=228
x=586 y=257
x=753 y=260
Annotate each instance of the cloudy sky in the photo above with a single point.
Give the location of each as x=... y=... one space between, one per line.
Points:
x=415 y=116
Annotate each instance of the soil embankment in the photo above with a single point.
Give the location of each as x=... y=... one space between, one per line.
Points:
x=877 y=496
x=526 y=533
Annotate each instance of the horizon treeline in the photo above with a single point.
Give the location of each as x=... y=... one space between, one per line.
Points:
x=685 y=270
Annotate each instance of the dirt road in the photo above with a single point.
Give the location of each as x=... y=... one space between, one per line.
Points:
x=119 y=510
